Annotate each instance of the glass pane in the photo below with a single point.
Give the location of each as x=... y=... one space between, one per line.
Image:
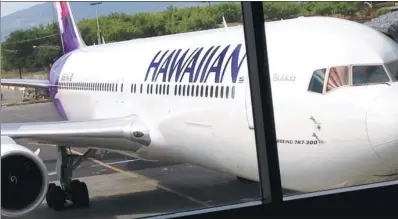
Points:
x=393 y=68
x=154 y=151
x=317 y=81
x=331 y=132
x=372 y=74
x=338 y=76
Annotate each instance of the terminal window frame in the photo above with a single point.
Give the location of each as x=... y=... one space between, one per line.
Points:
x=382 y=66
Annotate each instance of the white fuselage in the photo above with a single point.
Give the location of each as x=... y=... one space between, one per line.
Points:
x=323 y=138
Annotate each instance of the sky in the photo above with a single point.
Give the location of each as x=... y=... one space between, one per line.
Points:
x=10 y=7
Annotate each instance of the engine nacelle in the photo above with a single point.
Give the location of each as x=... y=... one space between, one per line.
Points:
x=24 y=179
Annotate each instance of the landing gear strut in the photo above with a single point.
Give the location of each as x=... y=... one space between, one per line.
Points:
x=72 y=190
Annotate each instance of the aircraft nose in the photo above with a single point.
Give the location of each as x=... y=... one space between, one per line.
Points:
x=382 y=122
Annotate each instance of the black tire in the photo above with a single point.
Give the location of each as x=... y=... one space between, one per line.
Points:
x=57 y=198
x=79 y=193
x=74 y=192
x=48 y=196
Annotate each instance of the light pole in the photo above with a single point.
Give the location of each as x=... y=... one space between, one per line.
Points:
x=96 y=14
x=371 y=8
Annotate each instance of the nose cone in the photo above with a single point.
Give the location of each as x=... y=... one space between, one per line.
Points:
x=382 y=122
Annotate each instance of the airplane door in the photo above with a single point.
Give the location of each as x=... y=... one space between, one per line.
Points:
x=248 y=105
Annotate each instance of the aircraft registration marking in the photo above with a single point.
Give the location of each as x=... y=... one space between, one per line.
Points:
x=302 y=142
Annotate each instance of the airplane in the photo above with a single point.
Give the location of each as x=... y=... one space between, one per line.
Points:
x=186 y=98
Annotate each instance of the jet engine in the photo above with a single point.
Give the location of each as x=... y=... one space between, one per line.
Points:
x=24 y=179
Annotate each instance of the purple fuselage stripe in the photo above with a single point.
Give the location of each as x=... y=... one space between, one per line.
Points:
x=55 y=73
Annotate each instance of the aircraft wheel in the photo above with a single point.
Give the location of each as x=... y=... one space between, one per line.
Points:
x=50 y=188
x=79 y=193
x=56 y=198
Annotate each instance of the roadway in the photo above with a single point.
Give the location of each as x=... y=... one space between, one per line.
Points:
x=11 y=96
x=123 y=187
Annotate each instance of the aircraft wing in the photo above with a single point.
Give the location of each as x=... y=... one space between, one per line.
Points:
x=129 y=133
x=26 y=83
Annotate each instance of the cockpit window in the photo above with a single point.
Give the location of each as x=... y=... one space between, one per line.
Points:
x=371 y=74
x=317 y=80
x=338 y=76
x=393 y=68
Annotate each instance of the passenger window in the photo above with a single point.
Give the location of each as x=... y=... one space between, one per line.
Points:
x=187 y=90
x=141 y=89
x=371 y=74
x=183 y=90
x=317 y=81
x=168 y=86
x=201 y=90
x=221 y=91
x=135 y=88
x=156 y=89
x=216 y=92
x=211 y=91
x=179 y=90
x=197 y=91
x=233 y=92
x=338 y=76
x=227 y=92
x=206 y=91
